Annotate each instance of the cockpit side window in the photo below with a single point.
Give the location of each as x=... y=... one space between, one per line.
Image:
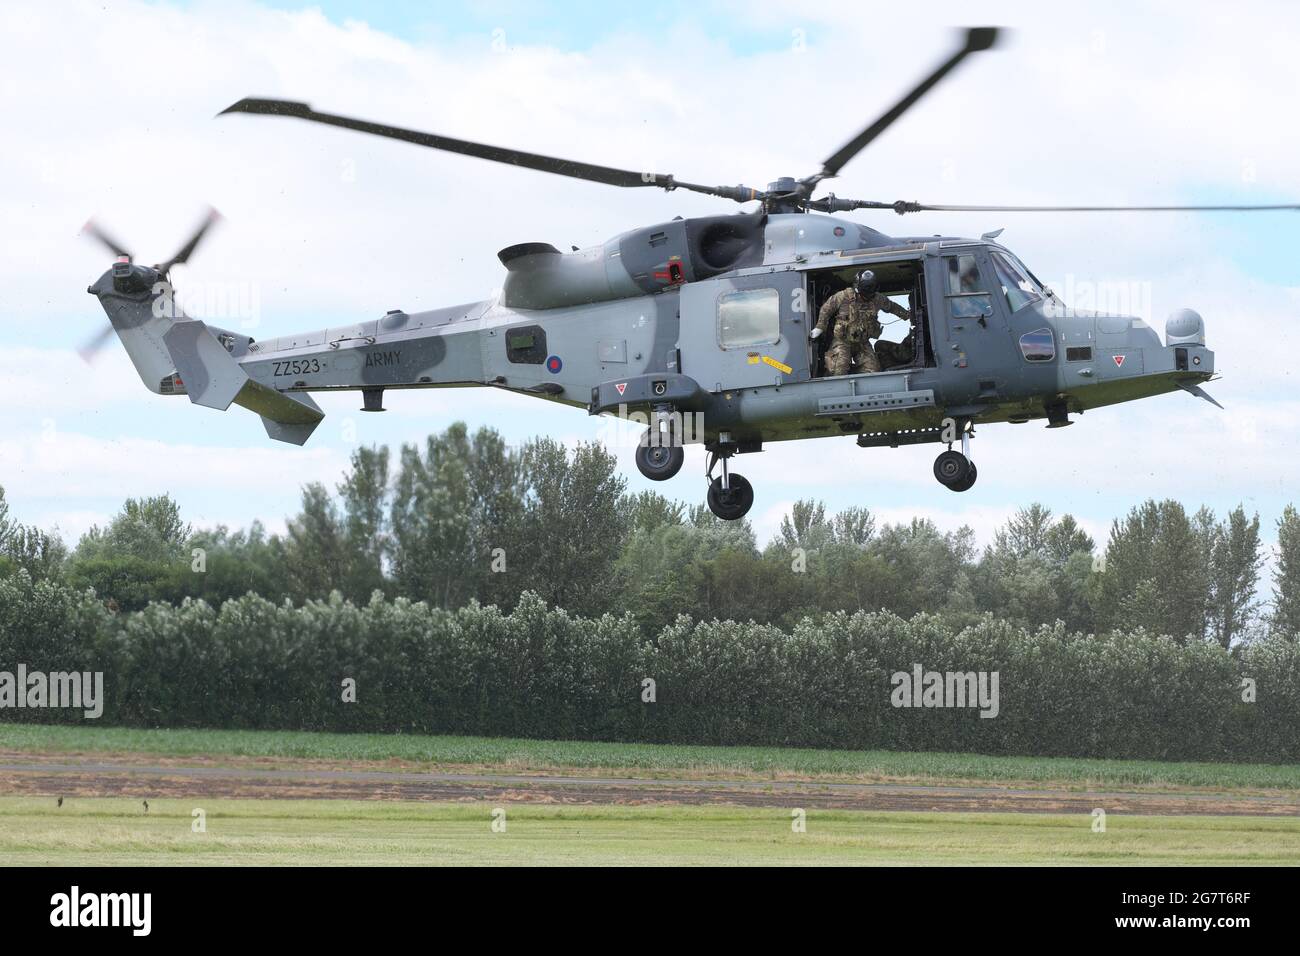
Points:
x=967 y=298
x=1017 y=286
x=963 y=275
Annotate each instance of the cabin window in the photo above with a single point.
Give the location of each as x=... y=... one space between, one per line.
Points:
x=748 y=318
x=526 y=345
x=1038 y=346
x=1017 y=285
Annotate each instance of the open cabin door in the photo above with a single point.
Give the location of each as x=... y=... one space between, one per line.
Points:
x=744 y=332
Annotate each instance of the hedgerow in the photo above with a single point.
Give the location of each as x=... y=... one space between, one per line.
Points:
x=543 y=673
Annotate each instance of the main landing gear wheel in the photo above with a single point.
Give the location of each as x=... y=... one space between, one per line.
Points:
x=659 y=462
x=734 y=502
x=968 y=482
x=955 y=471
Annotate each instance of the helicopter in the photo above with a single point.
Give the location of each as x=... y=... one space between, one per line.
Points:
x=707 y=320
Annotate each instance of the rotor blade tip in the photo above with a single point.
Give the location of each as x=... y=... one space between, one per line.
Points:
x=981 y=38
x=256 y=104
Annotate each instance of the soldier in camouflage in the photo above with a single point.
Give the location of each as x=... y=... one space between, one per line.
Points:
x=852 y=315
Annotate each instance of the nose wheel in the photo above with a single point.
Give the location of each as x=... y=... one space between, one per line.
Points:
x=731 y=504
x=730 y=496
x=954 y=469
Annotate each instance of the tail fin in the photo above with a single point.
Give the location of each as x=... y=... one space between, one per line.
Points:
x=180 y=355
x=133 y=299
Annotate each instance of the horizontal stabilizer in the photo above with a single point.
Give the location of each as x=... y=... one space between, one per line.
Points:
x=293 y=434
x=286 y=416
x=287 y=408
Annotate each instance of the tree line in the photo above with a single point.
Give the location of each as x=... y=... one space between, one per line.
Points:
x=399 y=666
x=465 y=517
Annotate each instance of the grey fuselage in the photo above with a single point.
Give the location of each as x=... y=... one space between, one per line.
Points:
x=637 y=324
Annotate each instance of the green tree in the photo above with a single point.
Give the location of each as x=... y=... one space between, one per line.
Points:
x=1025 y=532
x=1037 y=571
x=647 y=510
x=236 y=563
x=1034 y=530
x=6 y=525
x=1285 y=619
x=315 y=548
x=364 y=494
x=805 y=527
x=1235 y=561
x=573 y=528
x=40 y=554
x=149 y=529
x=432 y=556
x=930 y=568
x=494 y=475
x=1157 y=571
x=1065 y=539
x=855 y=526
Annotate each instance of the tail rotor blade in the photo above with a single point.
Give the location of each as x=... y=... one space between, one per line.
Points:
x=93 y=229
x=92 y=346
x=183 y=254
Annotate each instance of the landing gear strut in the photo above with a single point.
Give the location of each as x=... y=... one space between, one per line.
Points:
x=730 y=496
x=954 y=469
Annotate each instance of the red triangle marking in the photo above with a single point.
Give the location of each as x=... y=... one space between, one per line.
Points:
x=1119 y=360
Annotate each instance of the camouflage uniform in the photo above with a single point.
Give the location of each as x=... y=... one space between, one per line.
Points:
x=854 y=324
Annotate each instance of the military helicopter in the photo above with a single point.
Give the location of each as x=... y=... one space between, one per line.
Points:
x=704 y=319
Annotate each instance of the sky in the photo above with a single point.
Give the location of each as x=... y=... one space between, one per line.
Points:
x=110 y=110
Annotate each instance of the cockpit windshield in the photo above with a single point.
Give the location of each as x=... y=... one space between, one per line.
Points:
x=1018 y=284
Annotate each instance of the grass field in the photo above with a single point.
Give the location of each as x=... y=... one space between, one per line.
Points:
x=98 y=831
x=508 y=755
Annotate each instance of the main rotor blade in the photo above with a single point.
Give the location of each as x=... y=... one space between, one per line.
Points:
x=183 y=255
x=902 y=206
x=977 y=39
x=92 y=229
x=497 y=154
